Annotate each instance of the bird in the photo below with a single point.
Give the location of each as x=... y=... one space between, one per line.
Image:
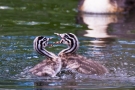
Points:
x=51 y=65
x=77 y=63
x=106 y=6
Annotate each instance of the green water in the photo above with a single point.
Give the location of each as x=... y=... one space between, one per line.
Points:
x=37 y=17
x=112 y=44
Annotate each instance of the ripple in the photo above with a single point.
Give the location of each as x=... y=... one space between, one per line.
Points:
x=30 y=23
x=11 y=8
x=126 y=42
x=65 y=24
x=6 y=7
x=133 y=56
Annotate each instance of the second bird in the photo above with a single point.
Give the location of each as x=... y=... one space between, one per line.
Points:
x=75 y=62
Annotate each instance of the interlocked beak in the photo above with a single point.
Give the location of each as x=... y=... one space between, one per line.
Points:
x=62 y=37
x=48 y=41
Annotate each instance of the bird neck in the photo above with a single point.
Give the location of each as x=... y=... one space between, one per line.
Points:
x=48 y=54
x=70 y=49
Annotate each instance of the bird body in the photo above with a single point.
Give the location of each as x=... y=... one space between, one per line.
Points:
x=47 y=68
x=50 y=66
x=106 y=6
x=75 y=62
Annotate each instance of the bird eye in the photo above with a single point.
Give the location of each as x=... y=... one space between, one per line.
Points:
x=45 y=43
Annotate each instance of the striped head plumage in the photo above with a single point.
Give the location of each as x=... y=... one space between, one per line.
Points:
x=70 y=40
x=39 y=45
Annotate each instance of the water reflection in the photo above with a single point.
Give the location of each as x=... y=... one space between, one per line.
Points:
x=29 y=23
x=106 y=28
x=93 y=82
x=97 y=27
x=5 y=7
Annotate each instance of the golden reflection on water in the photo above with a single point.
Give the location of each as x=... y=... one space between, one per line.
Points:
x=103 y=28
x=98 y=27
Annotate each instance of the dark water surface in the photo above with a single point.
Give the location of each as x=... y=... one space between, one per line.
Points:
x=109 y=39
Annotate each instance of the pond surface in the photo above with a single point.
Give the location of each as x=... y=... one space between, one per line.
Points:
x=108 y=39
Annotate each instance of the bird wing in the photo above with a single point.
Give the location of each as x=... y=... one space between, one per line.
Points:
x=42 y=68
x=88 y=66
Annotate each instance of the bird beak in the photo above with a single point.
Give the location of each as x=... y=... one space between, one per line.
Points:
x=57 y=34
x=50 y=45
x=49 y=38
x=61 y=41
x=61 y=35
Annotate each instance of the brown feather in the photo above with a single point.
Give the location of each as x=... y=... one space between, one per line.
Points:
x=46 y=67
x=83 y=65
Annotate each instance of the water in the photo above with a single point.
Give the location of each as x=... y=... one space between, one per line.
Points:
x=108 y=39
